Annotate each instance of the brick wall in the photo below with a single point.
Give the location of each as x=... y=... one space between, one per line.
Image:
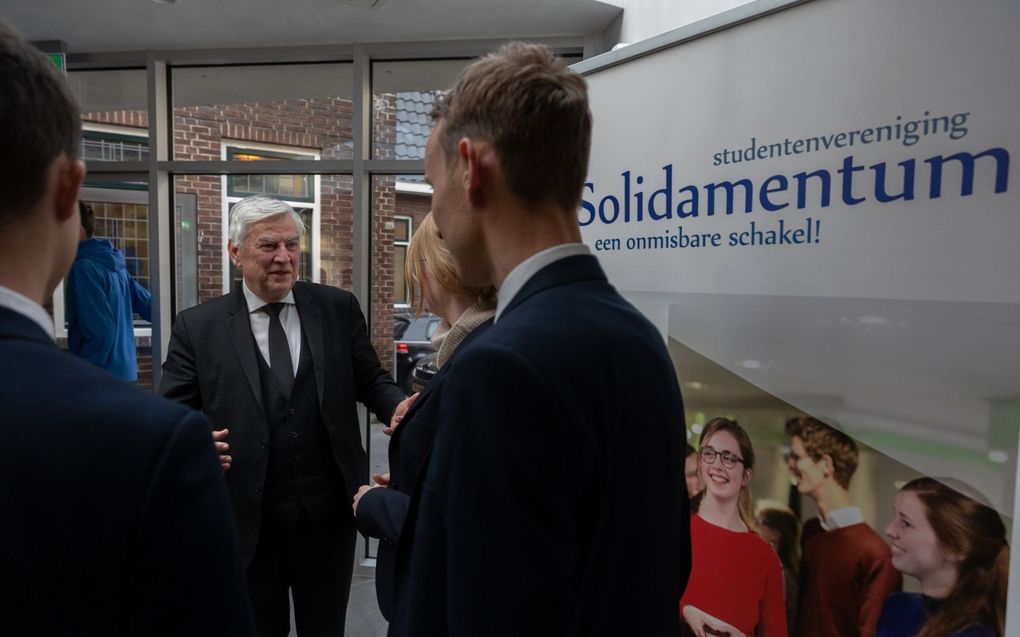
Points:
x=320 y=124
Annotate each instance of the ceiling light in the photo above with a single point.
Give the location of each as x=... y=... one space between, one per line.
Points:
x=998 y=455
x=749 y=364
x=693 y=384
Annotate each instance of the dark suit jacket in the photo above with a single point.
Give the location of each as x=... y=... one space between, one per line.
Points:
x=381 y=512
x=114 y=517
x=211 y=365
x=554 y=502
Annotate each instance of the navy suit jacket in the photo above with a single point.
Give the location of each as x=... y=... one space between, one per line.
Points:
x=212 y=366
x=382 y=512
x=554 y=502
x=114 y=516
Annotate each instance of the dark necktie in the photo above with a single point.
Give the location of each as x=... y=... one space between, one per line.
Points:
x=279 y=349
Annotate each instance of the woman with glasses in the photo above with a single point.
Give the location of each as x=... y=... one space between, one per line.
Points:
x=736 y=582
x=955 y=545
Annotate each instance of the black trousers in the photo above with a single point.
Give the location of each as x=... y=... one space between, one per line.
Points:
x=314 y=561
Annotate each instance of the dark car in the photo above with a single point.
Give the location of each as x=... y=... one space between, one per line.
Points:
x=424 y=370
x=412 y=342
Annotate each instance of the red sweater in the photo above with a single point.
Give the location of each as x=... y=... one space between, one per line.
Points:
x=737 y=578
x=845 y=576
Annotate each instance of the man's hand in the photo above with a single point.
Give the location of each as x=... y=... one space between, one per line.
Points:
x=222 y=447
x=704 y=625
x=398 y=414
x=381 y=480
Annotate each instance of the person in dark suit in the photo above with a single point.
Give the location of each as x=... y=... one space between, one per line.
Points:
x=281 y=363
x=466 y=312
x=114 y=515
x=554 y=500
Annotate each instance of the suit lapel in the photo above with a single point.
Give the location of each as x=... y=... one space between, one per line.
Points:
x=239 y=328
x=311 y=328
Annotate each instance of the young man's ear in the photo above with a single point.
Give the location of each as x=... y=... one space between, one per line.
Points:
x=828 y=466
x=477 y=158
x=70 y=175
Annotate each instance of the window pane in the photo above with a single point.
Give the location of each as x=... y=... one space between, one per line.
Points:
x=400 y=230
x=403 y=95
x=300 y=106
x=114 y=114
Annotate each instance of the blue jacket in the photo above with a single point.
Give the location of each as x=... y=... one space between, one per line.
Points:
x=101 y=300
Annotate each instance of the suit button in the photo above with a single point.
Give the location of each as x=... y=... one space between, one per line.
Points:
x=264 y=443
x=291 y=412
x=294 y=434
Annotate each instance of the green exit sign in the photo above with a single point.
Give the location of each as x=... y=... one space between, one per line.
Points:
x=58 y=59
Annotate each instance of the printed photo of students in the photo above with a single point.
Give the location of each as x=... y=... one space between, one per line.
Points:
x=781 y=529
x=846 y=569
x=955 y=545
x=736 y=582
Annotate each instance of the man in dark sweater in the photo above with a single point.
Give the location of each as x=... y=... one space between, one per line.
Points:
x=846 y=569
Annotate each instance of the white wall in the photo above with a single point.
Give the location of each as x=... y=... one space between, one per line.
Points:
x=642 y=19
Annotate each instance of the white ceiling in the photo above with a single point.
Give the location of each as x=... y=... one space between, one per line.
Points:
x=134 y=25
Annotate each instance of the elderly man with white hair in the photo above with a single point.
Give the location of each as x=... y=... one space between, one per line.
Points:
x=280 y=363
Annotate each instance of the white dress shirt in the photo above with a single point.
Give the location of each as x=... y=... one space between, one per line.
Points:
x=526 y=269
x=26 y=307
x=260 y=324
x=841 y=518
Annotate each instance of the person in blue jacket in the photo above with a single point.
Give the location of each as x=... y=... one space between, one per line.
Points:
x=102 y=299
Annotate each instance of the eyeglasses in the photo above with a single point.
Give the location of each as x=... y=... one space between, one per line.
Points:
x=708 y=454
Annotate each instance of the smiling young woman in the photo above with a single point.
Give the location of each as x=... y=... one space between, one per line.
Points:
x=956 y=547
x=724 y=543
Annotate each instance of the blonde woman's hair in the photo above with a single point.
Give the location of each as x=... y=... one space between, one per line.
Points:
x=427 y=250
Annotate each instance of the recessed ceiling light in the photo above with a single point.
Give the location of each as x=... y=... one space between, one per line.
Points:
x=872 y=320
x=693 y=384
x=999 y=456
x=749 y=364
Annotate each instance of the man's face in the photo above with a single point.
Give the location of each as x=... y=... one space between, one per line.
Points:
x=451 y=211
x=810 y=475
x=268 y=258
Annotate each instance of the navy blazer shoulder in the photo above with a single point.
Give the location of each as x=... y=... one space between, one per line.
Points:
x=114 y=515
x=560 y=455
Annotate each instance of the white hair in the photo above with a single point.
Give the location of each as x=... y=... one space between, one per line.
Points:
x=254 y=209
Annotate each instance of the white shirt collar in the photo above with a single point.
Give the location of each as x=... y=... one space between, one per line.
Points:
x=841 y=518
x=255 y=302
x=526 y=269
x=27 y=308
